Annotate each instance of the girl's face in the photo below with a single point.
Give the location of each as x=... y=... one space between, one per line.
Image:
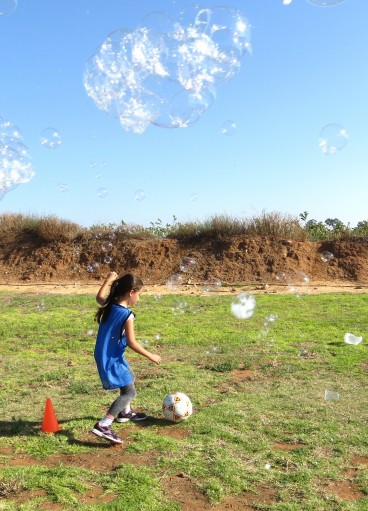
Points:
x=134 y=297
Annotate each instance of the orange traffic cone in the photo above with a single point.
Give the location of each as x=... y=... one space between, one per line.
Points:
x=50 y=423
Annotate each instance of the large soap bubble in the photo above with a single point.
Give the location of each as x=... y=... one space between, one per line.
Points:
x=325 y=3
x=166 y=71
x=7 y=7
x=15 y=162
x=243 y=306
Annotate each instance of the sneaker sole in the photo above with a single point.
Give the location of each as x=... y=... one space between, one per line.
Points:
x=102 y=435
x=133 y=420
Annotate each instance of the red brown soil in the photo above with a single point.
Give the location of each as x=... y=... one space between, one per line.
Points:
x=240 y=260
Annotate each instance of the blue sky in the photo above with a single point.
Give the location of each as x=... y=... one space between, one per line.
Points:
x=308 y=69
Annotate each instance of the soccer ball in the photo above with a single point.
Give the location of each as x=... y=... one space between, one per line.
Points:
x=177 y=407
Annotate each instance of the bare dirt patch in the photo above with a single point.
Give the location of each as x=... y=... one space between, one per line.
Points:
x=239 y=260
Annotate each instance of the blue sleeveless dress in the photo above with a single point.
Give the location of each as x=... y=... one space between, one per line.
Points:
x=109 y=351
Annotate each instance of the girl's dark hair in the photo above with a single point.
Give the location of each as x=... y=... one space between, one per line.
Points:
x=118 y=289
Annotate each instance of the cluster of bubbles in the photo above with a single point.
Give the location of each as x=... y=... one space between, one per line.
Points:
x=15 y=162
x=166 y=72
x=332 y=138
x=243 y=306
x=297 y=282
x=107 y=247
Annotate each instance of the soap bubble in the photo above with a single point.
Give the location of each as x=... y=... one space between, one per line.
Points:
x=62 y=187
x=93 y=266
x=298 y=283
x=90 y=332
x=212 y=284
x=194 y=197
x=331 y=395
x=139 y=195
x=15 y=162
x=106 y=246
x=228 y=128
x=332 y=138
x=108 y=259
x=102 y=193
x=50 y=138
x=326 y=256
x=41 y=306
x=174 y=281
x=325 y=3
x=286 y=2
x=243 y=305
x=180 y=308
x=352 y=339
x=166 y=71
x=267 y=466
x=7 y=7
x=187 y=264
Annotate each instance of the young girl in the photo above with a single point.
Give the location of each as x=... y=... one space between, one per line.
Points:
x=115 y=333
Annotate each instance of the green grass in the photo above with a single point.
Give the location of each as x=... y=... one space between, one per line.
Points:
x=238 y=424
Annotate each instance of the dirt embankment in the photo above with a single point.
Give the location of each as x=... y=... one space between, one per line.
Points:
x=238 y=260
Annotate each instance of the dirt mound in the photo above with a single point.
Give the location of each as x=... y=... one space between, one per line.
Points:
x=238 y=260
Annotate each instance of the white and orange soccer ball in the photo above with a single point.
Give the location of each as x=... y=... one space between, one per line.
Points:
x=177 y=407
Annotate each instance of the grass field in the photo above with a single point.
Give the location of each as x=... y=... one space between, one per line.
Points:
x=262 y=434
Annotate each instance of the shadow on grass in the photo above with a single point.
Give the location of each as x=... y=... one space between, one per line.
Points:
x=21 y=427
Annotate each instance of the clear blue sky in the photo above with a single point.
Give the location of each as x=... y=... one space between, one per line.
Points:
x=309 y=68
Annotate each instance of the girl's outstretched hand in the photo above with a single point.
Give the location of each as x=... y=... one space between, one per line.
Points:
x=155 y=358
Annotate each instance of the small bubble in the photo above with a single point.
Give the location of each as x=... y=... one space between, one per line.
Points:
x=194 y=197
x=212 y=285
x=174 y=281
x=62 y=187
x=102 y=193
x=106 y=246
x=41 y=306
x=331 y=395
x=108 y=259
x=267 y=466
x=187 y=264
x=139 y=195
x=228 y=128
x=332 y=138
x=90 y=332
x=352 y=339
x=50 y=138
x=326 y=256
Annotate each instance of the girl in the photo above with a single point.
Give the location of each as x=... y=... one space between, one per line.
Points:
x=115 y=333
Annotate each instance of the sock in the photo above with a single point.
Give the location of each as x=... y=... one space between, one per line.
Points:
x=126 y=409
x=105 y=421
